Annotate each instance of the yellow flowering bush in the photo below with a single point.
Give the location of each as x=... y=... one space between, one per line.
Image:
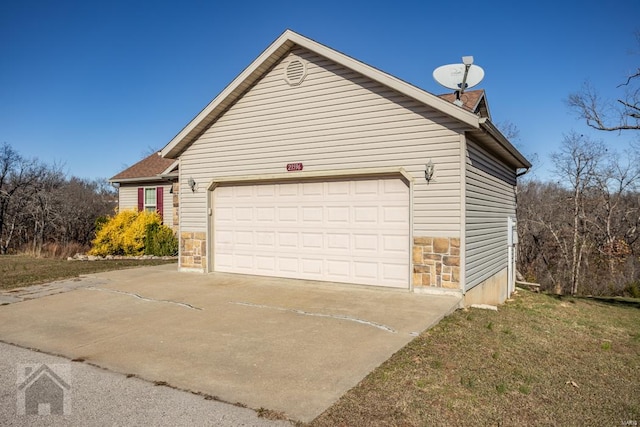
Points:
x=134 y=233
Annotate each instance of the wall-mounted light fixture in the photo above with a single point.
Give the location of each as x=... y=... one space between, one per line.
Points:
x=192 y=184
x=429 y=169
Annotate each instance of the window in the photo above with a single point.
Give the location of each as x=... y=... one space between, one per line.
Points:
x=150 y=199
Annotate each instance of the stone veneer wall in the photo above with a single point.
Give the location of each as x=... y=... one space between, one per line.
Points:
x=436 y=262
x=176 y=207
x=193 y=250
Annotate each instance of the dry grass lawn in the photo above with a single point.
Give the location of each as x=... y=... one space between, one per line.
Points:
x=539 y=361
x=21 y=270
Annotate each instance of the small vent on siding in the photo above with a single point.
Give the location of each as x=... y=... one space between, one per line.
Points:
x=295 y=72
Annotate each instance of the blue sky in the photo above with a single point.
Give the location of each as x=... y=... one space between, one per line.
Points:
x=96 y=85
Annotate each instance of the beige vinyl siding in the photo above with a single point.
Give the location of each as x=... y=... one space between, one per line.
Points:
x=336 y=119
x=128 y=198
x=490 y=200
x=167 y=205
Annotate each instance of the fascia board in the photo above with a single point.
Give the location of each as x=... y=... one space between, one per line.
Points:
x=504 y=142
x=260 y=63
x=170 y=169
x=388 y=80
x=133 y=180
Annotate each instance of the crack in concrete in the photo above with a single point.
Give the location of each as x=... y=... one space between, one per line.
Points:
x=131 y=294
x=331 y=316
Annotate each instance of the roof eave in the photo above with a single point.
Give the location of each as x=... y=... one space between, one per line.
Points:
x=494 y=132
x=170 y=170
x=270 y=56
x=131 y=180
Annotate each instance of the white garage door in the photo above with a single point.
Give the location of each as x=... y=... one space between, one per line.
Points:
x=341 y=231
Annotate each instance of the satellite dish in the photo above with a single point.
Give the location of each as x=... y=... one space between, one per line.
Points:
x=455 y=76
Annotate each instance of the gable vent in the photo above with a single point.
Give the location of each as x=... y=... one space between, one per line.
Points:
x=295 y=72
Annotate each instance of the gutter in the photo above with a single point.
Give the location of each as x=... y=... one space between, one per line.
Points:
x=490 y=128
x=145 y=179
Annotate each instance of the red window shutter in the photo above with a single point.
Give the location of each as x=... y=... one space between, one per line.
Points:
x=140 y=199
x=160 y=200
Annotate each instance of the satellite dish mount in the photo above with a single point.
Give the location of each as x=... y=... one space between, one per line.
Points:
x=459 y=77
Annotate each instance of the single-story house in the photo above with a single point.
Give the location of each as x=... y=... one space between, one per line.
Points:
x=152 y=185
x=314 y=165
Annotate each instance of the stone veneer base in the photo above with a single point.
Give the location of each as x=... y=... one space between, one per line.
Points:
x=193 y=250
x=436 y=262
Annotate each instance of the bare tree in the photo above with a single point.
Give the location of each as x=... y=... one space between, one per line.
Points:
x=604 y=114
x=45 y=206
x=544 y=253
x=576 y=165
x=17 y=177
x=39 y=206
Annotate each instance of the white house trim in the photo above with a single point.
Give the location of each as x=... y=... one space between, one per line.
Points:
x=303 y=176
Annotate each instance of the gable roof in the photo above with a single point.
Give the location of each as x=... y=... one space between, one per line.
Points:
x=148 y=169
x=276 y=51
x=474 y=101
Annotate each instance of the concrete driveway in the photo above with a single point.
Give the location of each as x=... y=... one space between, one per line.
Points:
x=285 y=345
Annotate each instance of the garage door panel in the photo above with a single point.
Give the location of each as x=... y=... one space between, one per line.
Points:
x=287 y=190
x=265 y=215
x=338 y=270
x=312 y=241
x=366 y=214
x=395 y=244
x=338 y=241
x=243 y=192
x=288 y=214
x=312 y=189
x=224 y=193
x=311 y=267
x=288 y=265
x=364 y=270
x=265 y=264
x=287 y=240
x=313 y=214
x=338 y=188
x=366 y=242
x=265 y=239
x=243 y=214
x=345 y=231
x=244 y=238
x=394 y=187
x=243 y=261
x=264 y=191
x=395 y=214
x=337 y=215
x=224 y=262
x=224 y=214
x=394 y=273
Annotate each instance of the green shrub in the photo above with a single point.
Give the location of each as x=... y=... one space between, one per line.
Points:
x=160 y=241
x=100 y=221
x=632 y=289
x=130 y=232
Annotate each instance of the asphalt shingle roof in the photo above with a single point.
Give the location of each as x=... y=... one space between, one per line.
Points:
x=469 y=98
x=146 y=168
